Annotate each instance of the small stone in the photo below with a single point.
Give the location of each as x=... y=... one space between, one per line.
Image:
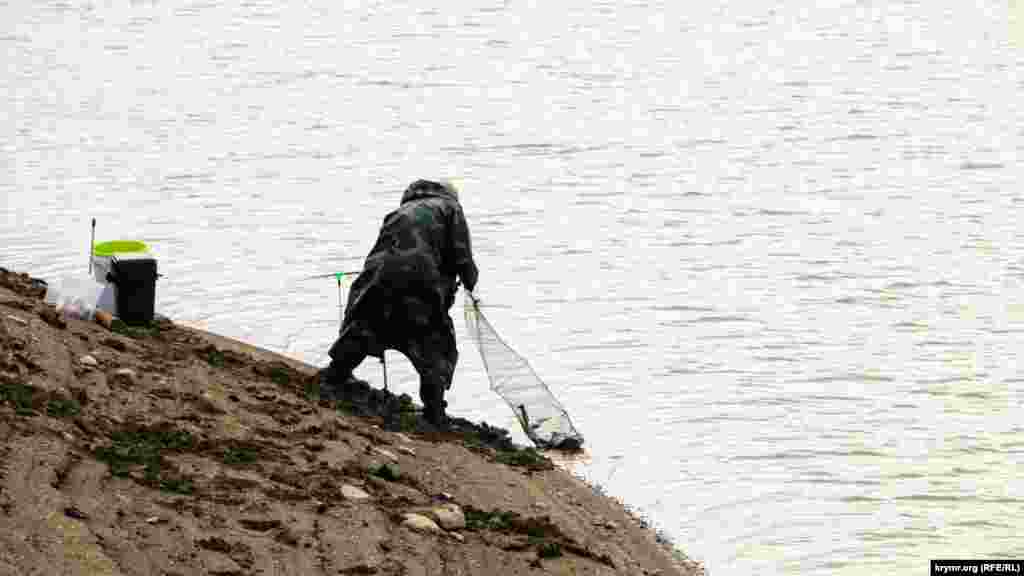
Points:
x=406 y=450
x=447 y=496
x=458 y=537
x=352 y=493
x=420 y=523
x=124 y=376
x=154 y=520
x=403 y=438
x=88 y=360
x=449 y=516
x=321 y=507
x=389 y=455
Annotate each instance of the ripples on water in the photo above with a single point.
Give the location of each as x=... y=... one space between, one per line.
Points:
x=777 y=246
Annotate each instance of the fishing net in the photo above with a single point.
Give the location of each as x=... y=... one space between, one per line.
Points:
x=543 y=419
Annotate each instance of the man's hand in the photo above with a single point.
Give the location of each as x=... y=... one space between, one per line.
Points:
x=473 y=297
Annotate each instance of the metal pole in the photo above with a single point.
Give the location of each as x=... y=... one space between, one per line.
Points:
x=384 y=367
x=341 y=310
x=92 y=244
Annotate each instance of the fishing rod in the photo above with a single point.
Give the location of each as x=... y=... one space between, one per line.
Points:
x=338 y=275
x=341 y=310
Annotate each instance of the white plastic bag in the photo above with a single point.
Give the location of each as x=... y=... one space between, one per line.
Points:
x=75 y=296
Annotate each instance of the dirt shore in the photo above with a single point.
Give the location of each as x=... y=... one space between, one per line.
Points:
x=166 y=450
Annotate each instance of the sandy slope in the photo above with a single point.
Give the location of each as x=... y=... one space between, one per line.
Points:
x=174 y=451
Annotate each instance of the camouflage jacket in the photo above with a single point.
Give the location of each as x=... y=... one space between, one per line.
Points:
x=408 y=281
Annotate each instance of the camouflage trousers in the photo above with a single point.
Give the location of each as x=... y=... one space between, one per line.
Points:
x=432 y=352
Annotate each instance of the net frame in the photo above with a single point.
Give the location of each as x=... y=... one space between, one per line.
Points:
x=551 y=426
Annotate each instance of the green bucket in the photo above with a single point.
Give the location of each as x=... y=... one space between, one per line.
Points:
x=115 y=247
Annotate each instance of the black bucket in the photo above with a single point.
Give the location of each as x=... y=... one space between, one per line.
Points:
x=134 y=289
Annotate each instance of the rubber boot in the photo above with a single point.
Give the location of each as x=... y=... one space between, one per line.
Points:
x=433 y=409
x=337 y=386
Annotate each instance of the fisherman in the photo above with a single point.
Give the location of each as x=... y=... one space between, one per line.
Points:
x=400 y=300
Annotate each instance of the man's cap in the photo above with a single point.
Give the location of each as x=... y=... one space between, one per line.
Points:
x=451 y=185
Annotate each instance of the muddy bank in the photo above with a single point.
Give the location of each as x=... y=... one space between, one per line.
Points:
x=168 y=450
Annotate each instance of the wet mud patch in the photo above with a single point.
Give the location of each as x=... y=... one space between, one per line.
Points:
x=400 y=414
x=495 y=444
